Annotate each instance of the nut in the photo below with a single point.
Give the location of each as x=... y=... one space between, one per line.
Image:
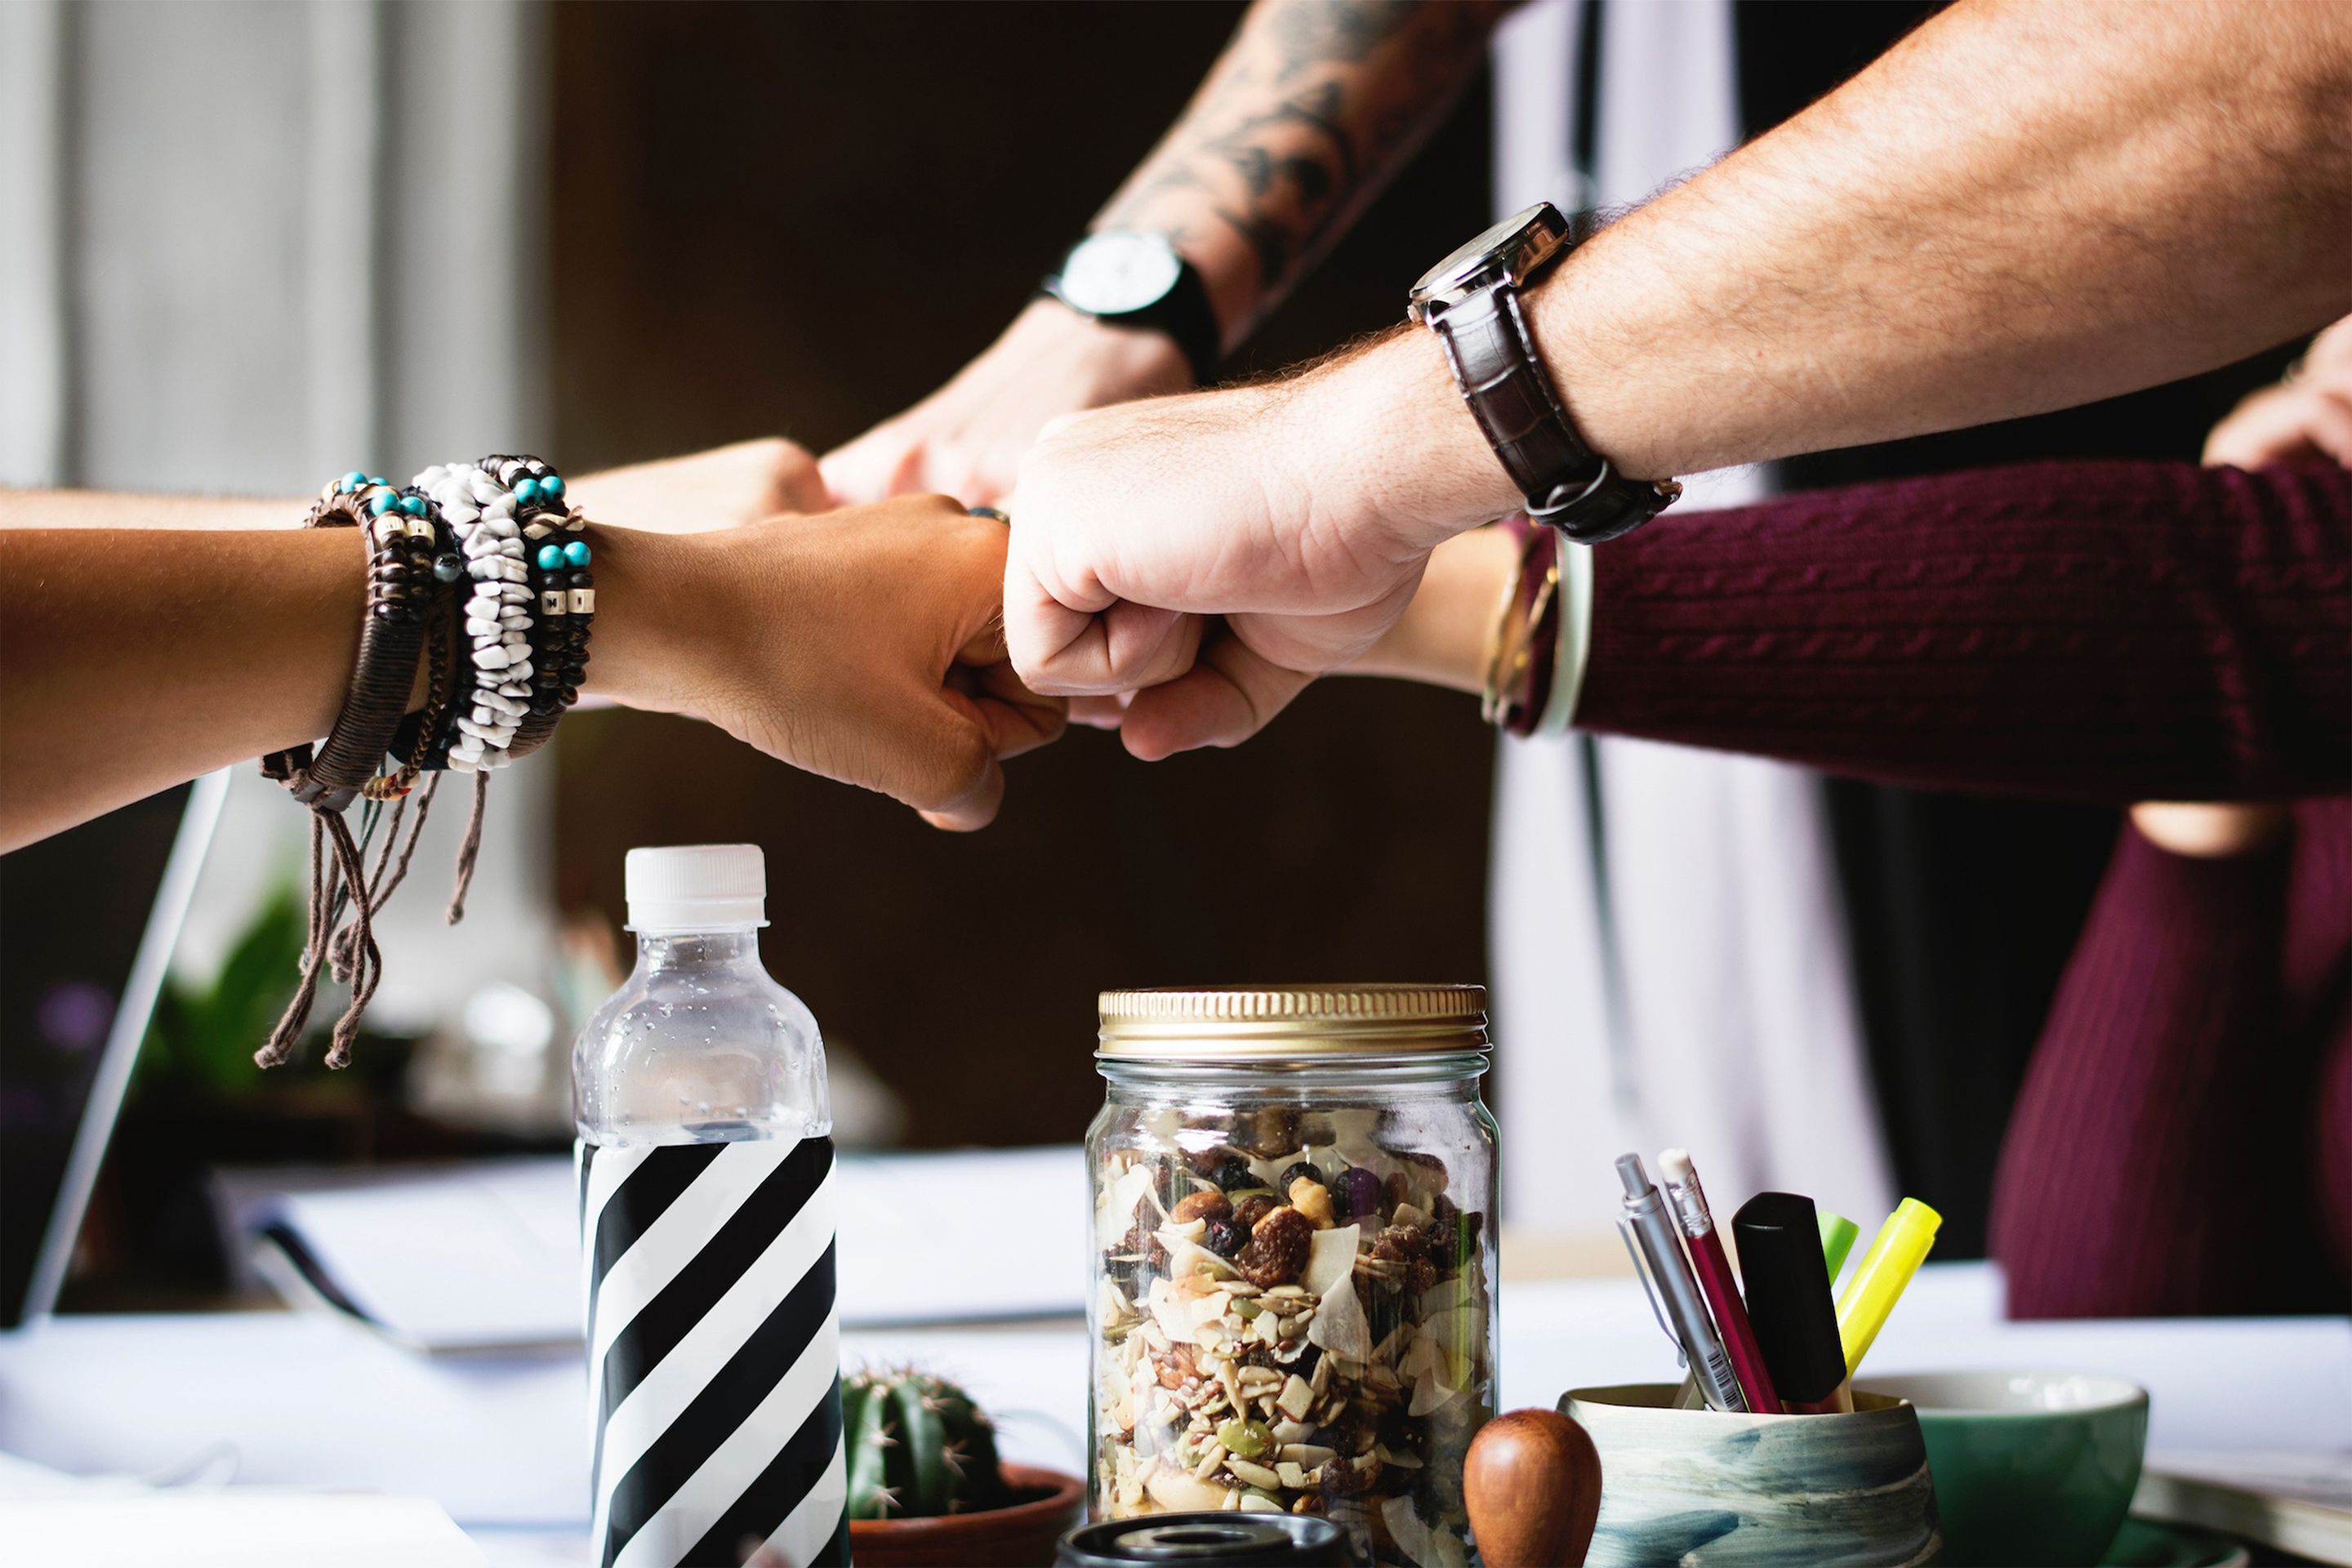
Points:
x=1313 y=1199
x=1201 y=1206
x=1278 y=1249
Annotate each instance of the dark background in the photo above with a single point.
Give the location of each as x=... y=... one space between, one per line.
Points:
x=799 y=219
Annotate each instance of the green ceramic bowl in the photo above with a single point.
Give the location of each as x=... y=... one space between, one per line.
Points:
x=2032 y=1468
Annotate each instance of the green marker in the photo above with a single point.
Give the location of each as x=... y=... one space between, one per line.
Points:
x=1837 y=1239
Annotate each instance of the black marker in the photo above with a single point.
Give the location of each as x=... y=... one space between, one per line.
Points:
x=1780 y=1241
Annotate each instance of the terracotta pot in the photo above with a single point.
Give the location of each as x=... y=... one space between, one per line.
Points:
x=1020 y=1535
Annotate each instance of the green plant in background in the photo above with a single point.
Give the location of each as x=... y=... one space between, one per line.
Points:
x=918 y=1447
x=205 y=1035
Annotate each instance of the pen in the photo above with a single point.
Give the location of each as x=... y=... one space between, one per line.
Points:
x=1779 y=1242
x=1878 y=1279
x=1713 y=1272
x=1837 y=1239
x=1651 y=1230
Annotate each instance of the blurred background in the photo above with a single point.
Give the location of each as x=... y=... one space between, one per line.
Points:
x=248 y=244
x=245 y=240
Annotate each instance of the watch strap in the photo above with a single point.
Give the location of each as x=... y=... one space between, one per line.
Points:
x=1183 y=314
x=1566 y=483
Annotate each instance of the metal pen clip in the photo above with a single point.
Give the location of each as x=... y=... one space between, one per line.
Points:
x=1650 y=1288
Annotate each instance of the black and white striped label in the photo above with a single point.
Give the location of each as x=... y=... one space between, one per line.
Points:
x=714 y=1354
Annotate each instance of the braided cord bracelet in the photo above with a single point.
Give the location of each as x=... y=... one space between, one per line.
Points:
x=497 y=536
x=403 y=536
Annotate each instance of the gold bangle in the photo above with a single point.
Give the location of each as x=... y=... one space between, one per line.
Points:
x=1505 y=693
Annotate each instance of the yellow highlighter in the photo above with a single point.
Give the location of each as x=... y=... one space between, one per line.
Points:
x=1879 y=1280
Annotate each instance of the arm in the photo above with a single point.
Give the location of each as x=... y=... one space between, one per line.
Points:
x=717 y=488
x=2020 y=208
x=856 y=644
x=2108 y=632
x=1300 y=124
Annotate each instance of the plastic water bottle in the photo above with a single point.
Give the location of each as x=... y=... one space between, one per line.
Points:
x=706 y=1234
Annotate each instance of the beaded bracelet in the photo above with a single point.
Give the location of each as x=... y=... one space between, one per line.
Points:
x=496 y=535
x=564 y=591
x=403 y=538
x=407 y=576
x=498 y=614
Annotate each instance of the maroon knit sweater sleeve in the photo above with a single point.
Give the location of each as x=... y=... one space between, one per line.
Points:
x=2089 y=631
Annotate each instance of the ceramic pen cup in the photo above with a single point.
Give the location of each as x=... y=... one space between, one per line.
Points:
x=1707 y=1490
x=2031 y=1467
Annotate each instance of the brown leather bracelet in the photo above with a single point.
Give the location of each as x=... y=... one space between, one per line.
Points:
x=403 y=538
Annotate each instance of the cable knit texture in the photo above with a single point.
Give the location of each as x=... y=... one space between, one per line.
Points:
x=2108 y=632
x=2183 y=1140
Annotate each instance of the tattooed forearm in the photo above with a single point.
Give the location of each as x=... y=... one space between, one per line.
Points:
x=1310 y=110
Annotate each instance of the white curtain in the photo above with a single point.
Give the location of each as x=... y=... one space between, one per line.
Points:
x=246 y=245
x=1709 y=1003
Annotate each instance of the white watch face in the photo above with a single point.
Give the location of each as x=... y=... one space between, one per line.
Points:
x=1112 y=274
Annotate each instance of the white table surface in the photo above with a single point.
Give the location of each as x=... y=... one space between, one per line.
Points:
x=310 y=1400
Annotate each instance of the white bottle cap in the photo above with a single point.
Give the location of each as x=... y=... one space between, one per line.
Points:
x=696 y=887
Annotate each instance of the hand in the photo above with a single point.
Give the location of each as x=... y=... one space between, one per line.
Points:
x=861 y=644
x=1301 y=511
x=722 y=488
x=2308 y=416
x=967 y=438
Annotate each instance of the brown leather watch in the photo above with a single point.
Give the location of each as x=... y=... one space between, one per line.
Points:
x=1471 y=300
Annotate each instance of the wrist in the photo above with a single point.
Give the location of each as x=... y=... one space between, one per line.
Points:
x=1441 y=639
x=654 y=605
x=1117 y=363
x=1397 y=444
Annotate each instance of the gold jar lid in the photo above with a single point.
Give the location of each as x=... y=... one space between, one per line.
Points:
x=1273 y=1023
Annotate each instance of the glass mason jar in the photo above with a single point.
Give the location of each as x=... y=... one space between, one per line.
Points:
x=1294 y=1255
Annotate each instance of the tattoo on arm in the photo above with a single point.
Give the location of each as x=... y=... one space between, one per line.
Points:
x=1307 y=113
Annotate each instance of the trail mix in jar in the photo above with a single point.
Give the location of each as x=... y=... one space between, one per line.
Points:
x=1304 y=1332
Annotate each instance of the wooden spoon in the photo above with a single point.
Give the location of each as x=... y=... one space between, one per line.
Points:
x=1532 y=1481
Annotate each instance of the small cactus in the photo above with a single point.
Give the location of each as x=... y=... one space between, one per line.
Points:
x=918 y=1447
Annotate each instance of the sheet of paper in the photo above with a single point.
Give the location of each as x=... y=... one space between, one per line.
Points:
x=236 y=1528
x=486 y=1254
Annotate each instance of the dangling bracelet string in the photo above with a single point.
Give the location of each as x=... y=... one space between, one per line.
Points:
x=403 y=536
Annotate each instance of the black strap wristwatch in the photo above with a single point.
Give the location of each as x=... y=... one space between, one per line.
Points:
x=1471 y=300
x=1131 y=280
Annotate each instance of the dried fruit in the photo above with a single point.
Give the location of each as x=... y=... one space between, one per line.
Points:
x=1301 y=1169
x=1273 y=1130
x=1312 y=1199
x=1277 y=1248
x=1231 y=1171
x=1225 y=1239
x=1431 y=1167
x=1339 y=1479
x=1356 y=1195
x=1399 y=1244
x=1420 y=1275
x=1248 y=1211
x=1201 y=1206
x=1396 y=1189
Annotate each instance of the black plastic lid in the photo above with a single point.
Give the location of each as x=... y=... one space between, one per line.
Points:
x=1208 y=1541
x=1780 y=1241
